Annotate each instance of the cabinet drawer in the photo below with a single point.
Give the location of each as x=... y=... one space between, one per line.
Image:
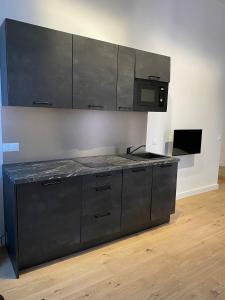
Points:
x=104 y=178
x=100 y=226
x=101 y=198
x=102 y=193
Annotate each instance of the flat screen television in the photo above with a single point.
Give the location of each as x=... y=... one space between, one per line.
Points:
x=187 y=142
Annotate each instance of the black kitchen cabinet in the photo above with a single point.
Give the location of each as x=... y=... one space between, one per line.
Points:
x=152 y=66
x=136 y=199
x=48 y=216
x=36 y=66
x=94 y=74
x=125 y=83
x=48 y=219
x=41 y=67
x=163 y=190
x=101 y=211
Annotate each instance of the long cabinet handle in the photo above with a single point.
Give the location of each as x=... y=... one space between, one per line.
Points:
x=103 y=188
x=51 y=182
x=154 y=77
x=126 y=108
x=95 y=106
x=102 y=215
x=138 y=170
x=166 y=166
x=46 y=103
x=103 y=175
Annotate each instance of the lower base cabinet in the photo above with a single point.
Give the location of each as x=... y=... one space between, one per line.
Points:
x=163 y=190
x=136 y=199
x=48 y=216
x=101 y=211
x=50 y=219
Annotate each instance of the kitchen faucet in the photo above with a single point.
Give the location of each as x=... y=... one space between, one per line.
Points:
x=129 y=151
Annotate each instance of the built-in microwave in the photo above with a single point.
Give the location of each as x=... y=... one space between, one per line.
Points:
x=150 y=95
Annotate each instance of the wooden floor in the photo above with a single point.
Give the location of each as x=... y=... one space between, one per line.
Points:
x=181 y=260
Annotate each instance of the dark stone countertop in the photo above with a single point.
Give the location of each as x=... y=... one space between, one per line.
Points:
x=47 y=170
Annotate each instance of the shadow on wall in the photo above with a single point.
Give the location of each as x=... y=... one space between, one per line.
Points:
x=186 y=161
x=59 y=133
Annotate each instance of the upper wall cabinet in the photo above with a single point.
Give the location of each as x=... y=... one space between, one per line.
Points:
x=152 y=66
x=94 y=74
x=36 y=66
x=125 y=84
x=49 y=68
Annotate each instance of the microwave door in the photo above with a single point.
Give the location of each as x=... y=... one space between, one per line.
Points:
x=149 y=96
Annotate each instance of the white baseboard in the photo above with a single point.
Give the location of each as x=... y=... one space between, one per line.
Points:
x=197 y=191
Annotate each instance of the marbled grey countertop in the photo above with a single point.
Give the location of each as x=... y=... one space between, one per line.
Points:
x=55 y=169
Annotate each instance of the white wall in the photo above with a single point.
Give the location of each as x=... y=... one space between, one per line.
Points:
x=191 y=32
x=63 y=133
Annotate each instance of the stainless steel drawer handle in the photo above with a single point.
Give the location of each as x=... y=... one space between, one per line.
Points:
x=42 y=103
x=51 y=182
x=138 y=170
x=166 y=166
x=103 y=215
x=103 y=175
x=95 y=106
x=124 y=108
x=153 y=77
x=103 y=188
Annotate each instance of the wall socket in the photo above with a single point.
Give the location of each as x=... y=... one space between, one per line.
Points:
x=11 y=147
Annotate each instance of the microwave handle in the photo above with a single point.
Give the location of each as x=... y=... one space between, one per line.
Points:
x=152 y=77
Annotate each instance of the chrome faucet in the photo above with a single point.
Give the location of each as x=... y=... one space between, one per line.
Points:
x=129 y=151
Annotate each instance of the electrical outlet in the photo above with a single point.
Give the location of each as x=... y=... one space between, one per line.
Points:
x=11 y=147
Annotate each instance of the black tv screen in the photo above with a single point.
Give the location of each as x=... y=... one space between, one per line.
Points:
x=187 y=142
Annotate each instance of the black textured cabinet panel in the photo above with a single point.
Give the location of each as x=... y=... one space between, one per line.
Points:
x=38 y=66
x=101 y=211
x=101 y=194
x=41 y=67
x=48 y=220
x=125 y=83
x=152 y=66
x=99 y=227
x=94 y=74
x=136 y=198
x=163 y=190
x=10 y=220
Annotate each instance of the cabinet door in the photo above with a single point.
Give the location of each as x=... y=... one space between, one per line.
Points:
x=48 y=220
x=101 y=212
x=94 y=74
x=163 y=190
x=125 y=83
x=39 y=66
x=136 y=198
x=152 y=66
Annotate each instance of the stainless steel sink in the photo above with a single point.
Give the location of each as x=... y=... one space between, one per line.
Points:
x=144 y=156
x=148 y=155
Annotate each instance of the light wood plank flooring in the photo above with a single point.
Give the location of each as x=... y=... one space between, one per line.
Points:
x=181 y=260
